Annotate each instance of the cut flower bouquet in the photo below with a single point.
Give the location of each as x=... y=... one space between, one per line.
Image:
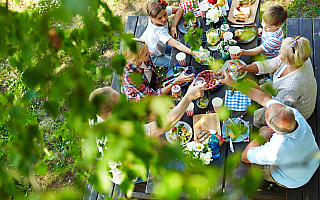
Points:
x=225 y=44
x=195 y=150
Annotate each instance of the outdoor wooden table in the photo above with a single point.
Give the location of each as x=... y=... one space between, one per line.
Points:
x=242 y=169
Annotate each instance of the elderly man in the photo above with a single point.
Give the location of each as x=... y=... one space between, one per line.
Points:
x=286 y=147
x=105 y=97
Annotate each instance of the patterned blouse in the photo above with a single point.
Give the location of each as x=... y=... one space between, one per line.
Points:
x=135 y=84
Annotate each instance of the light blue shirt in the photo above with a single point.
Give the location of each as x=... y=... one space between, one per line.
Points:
x=291 y=154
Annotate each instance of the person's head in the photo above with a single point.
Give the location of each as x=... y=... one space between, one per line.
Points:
x=295 y=51
x=280 y=118
x=273 y=18
x=104 y=99
x=141 y=55
x=157 y=12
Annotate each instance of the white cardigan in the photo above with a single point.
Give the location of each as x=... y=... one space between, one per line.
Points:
x=297 y=89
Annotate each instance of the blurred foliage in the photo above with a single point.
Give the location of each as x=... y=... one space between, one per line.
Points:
x=53 y=50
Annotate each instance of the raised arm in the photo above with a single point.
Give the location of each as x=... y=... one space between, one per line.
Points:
x=182 y=47
x=177 y=112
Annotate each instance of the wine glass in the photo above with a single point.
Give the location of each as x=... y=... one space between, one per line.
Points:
x=202 y=102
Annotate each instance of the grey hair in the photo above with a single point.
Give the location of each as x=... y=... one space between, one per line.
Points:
x=282 y=120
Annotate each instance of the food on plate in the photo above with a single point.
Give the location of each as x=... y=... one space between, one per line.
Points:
x=246 y=2
x=245 y=34
x=203 y=136
x=180 y=133
x=232 y=136
x=191 y=23
x=209 y=78
x=238 y=129
x=240 y=12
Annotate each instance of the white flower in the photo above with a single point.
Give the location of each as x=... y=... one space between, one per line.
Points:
x=190 y=145
x=213 y=15
x=206 y=158
x=198 y=147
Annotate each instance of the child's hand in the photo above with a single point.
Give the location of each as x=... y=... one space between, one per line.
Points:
x=197 y=55
x=260 y=31
x=237 y=57
x=173 y=32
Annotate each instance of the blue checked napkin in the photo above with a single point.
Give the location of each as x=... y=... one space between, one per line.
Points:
x=237 y=101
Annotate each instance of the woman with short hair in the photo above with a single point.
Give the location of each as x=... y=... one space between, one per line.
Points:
x=293 y=77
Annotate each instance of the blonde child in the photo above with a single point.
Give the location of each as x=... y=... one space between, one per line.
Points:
x=271 y=34
x=157 y=34
x=140 y=63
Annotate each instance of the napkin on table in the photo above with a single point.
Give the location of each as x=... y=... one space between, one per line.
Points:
x=187 y=5
x=237 y=101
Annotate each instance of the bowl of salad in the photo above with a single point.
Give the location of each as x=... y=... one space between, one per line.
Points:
x=181 y=132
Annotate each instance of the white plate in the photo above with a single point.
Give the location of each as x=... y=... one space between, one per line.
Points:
x=239 y=139
x=186 y=125
x=225 y=66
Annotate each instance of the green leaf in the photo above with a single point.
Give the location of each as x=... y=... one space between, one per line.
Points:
x=136 y=78
x=118 y=63
x=52 y=107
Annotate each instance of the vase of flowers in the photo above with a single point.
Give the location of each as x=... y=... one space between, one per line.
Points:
x=212 y=17
x=224 y=46
x=195 y=150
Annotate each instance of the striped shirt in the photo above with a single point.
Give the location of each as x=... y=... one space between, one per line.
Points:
x=135 y=88
x=271 y=42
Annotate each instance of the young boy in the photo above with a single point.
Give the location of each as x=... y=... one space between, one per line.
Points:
x=272 y=34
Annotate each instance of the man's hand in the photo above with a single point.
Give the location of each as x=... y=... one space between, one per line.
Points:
x=195 y=91
x=265 y=132
x=225 y=78
x=173 y=32
x=183 y=78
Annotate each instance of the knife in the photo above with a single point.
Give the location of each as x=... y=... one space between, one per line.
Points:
x=241 y=26
x=239 y=118
x=231 y=145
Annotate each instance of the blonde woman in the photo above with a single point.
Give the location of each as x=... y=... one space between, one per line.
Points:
x=293 y=77
x=140 y=65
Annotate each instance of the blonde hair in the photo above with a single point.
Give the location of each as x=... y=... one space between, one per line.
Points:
x=301 y=52
x=281 y=119
x=275 y=15
x=132 y=56
x=103 y=99
x=155 y=11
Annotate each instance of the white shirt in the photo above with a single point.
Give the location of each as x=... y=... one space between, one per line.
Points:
x=157 y=37
x=292 y=154
x=147 y=72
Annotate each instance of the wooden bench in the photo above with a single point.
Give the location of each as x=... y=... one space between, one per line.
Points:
x=310 y=29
